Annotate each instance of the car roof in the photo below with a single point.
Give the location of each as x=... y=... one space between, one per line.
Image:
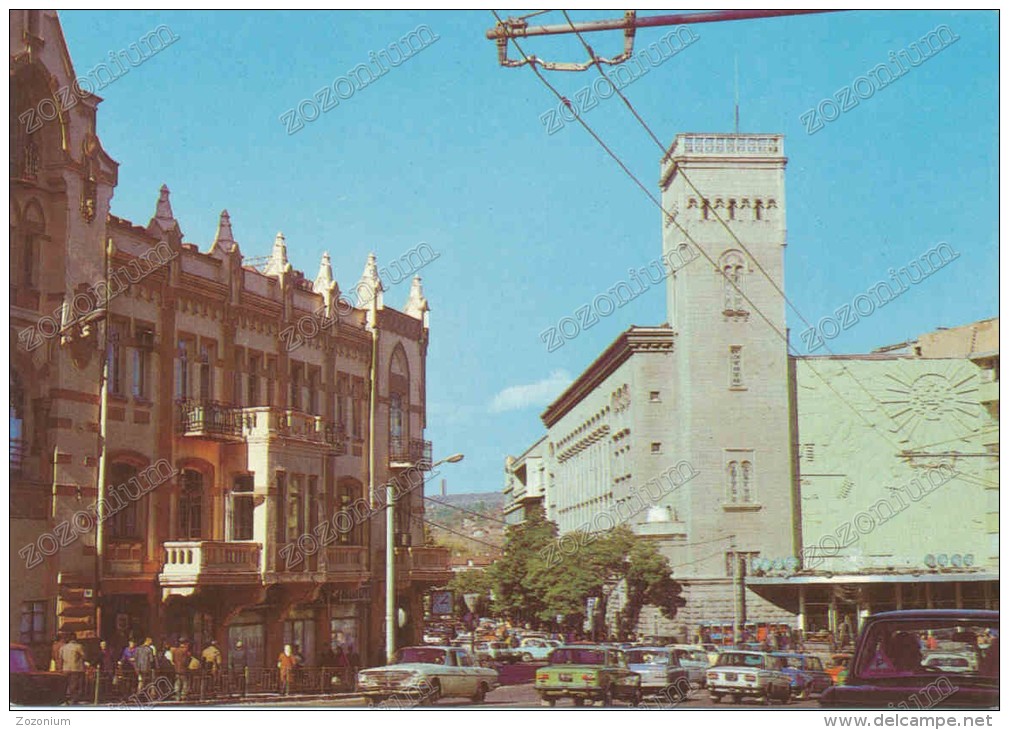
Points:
x=933 y=613
x=649 y=648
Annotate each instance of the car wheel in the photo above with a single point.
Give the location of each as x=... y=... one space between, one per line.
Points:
x=579 y=701
x=429 y=698
x=481 y=694
x=803 y=694
x=767 y=694
x=608 y=697
x=549 y=701
x=527 y=657
x=636 y=697
x=716 y=698
x=736 y=699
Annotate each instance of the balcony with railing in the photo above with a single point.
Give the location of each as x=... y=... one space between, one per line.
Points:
x=346 y=561
x=209 y=562
x=265 y=422
x=405 y=453
x=424 y=564
x=208 y=420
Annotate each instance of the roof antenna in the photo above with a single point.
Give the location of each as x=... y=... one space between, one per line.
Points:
x=736 y=68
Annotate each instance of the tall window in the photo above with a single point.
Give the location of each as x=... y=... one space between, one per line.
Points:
x=295 y=398
x=739 y=481
x=733 y=478
x=357 y=406
x=207 y=357
x=253 y=382
x=191 y=505
x=242 y=508
x=396 y=418
x=349 y=530
x=293 y=509
x=313 y=391
x=33 y=623
x=236 y=377
x=115 y=359
x=182 y=370
x=123 y=523
x=735 y=366
x=746 y=473
x=141 y=365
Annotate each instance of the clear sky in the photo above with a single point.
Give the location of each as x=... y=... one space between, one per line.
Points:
x=450 y=149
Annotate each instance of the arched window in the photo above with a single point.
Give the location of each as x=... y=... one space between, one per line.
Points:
x=733 y=271
x=123 y=522
x=399 y=399
x=747 y=475
x=191 y=505
x=733 y=478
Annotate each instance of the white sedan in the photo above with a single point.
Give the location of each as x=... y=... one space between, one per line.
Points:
x=533 y=650
x=425 y=674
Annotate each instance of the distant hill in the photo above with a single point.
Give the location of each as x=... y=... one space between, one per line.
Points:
x=470 y=525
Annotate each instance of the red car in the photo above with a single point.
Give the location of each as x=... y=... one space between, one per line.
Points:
x=29 y=686
x=902 y=662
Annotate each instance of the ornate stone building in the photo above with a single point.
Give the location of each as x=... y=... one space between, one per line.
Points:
x=238 y=414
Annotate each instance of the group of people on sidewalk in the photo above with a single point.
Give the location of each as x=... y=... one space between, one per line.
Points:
x=105 y=672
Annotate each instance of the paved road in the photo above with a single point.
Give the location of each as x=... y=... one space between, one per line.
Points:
x=524 y=696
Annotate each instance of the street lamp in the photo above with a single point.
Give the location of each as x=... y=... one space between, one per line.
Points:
x=390 y=558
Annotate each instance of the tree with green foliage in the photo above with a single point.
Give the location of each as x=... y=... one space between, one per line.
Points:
x=516 y=596
x=599 y=562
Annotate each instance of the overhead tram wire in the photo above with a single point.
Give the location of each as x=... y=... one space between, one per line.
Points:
x=727 y=228
x=499 y=548
x=668 y=217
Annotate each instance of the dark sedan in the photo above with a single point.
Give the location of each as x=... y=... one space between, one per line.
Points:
x=892 y=668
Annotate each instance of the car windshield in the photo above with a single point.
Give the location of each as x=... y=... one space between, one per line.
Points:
x=420 y=655
x=813 y=664
x=793 y=662
x=902 y=648
x=739 y=659
x=578 y=656
x=647 y=656
x=692 y=655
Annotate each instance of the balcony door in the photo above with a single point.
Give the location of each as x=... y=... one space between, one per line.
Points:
x=242 y=508
x=191 y=505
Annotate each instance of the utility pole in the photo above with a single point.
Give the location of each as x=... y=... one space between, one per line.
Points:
x=734 y=562
x=103 y=407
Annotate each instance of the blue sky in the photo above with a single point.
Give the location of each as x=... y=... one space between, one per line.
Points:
x=449 y=148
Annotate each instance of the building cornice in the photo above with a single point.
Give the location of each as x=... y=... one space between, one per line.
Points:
x=633 y=340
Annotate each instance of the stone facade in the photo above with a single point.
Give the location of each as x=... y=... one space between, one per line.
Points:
x=770 y=453
x=236 y=498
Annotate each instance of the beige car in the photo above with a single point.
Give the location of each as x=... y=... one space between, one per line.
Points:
x=425 y=674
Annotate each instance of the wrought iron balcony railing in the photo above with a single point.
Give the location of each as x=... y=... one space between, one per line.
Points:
x=409 y=451
x=208 y=418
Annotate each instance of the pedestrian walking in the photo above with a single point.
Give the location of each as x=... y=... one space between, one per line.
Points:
x=56 y=660
x=72 y=661
x=181 y=656
x=286 y=663
x=146 y=662
x=212 y=658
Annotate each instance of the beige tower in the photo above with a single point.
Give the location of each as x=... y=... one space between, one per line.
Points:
x=730 y=411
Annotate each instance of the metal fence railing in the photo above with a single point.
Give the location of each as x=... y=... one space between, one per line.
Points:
x=123 y=687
